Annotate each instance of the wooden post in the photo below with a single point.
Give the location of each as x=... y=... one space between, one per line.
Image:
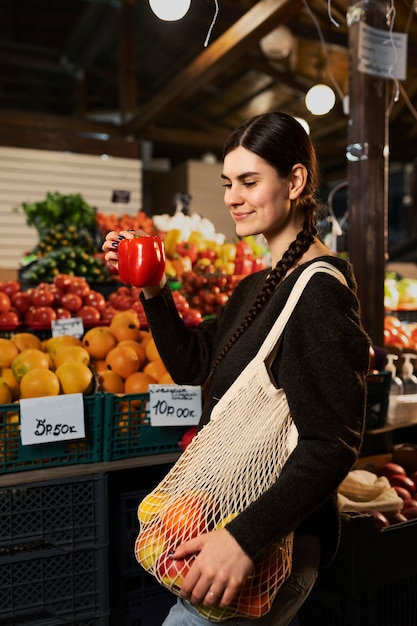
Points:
x=367 y=172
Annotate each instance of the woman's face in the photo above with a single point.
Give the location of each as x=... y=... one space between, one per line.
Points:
x=259 y=201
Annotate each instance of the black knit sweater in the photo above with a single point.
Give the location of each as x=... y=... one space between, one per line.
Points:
x=321 y=365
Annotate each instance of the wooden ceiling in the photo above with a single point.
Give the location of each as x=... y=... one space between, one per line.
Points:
x=106 y=75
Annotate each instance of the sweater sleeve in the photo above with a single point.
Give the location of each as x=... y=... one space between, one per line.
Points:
x=186 y=352
x=321 y=365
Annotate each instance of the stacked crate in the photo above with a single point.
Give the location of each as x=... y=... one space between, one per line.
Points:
x=53 y=553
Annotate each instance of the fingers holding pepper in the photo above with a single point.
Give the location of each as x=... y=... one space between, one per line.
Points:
x=138 y=257
x=111 y=244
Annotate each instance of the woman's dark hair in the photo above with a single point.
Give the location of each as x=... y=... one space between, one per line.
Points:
x=281 y=141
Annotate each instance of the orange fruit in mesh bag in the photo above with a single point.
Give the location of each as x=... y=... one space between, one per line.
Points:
x=151 y=506
x=149 y=545
x=254 y=605
x=185 y=517
x=171 y=572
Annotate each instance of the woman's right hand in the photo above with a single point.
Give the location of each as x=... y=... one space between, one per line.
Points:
x=110 y=246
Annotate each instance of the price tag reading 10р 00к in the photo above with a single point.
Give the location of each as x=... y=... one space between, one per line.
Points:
x=174 y=405
x=52 y=418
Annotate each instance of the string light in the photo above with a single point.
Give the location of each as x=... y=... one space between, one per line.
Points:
x=320 y=99
x=168 y=10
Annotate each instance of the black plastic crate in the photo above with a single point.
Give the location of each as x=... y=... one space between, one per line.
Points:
x=378 y=388
x=42 y=619
x=70 y=512
x=146 y=609
x=390 y=605
x=369 y=558
x=71 y=586
x=129 y=503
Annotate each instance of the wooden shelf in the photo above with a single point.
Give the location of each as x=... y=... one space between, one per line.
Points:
x=66 y=471
x=390 y=427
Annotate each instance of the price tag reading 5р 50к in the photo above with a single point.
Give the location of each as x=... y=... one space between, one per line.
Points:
x=174 y=405
x=52 y=418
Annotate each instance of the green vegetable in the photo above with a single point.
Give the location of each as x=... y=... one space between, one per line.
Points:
x=70 y=210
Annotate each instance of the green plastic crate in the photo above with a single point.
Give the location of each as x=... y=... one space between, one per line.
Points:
x=14 y=457
x=128 y=431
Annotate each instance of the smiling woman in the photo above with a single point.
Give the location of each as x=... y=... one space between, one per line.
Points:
x=270 y=175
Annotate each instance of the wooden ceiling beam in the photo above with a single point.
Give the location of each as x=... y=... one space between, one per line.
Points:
x=251 y=27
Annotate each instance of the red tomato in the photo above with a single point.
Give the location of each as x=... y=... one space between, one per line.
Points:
x=42 y=297
x=80 y=287
x=71 y=301
x=44 y=315
x=10 y=287
x=30 y=315
x=395 y=337
x=9 y=319
x=107 y=314
x=5 y=302
x=89 y=314
x=62 y=313
x=95 y=299
x=63 y=281
x=390 y=321
x=57 y=293
x=21 y=300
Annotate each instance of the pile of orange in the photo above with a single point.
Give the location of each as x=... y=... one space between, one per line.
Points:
x=123 y=356
x=31 y=368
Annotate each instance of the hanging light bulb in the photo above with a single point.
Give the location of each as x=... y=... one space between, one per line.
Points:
x=320 y=99
x=170 y=10
x=304 y=124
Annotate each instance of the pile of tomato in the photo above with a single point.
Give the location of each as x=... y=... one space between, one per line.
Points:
x=399 y=334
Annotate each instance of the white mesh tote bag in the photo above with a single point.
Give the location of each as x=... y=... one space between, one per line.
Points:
x=230 y=463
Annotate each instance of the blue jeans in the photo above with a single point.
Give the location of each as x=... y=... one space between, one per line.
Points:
x=306 y=558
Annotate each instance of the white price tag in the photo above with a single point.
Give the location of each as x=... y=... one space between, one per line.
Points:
x=174 y=405
x=382 y=53
x=71 y=326
x=52 y=418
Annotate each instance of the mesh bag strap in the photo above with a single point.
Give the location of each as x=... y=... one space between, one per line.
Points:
x=278 y=327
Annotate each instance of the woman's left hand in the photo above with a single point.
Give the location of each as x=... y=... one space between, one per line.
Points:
x=111 y=244
x=219 y=571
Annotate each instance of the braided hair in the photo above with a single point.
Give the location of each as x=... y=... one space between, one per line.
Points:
x=281 y=141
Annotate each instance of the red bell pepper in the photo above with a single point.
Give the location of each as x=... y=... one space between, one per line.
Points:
x=141 y=261
x=187 y=248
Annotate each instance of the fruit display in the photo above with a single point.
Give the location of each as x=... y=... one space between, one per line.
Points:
x=395 y=510
x=139 y=221
x=399 y=334
x=119 y=358
x=69 y=241
x=74 y=260
x=400 y=293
